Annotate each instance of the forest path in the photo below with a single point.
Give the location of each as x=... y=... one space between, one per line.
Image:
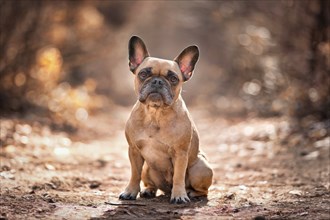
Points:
x=269 y=168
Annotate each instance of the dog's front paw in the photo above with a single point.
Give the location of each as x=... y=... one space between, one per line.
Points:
x=126 y=195
x=180 y=199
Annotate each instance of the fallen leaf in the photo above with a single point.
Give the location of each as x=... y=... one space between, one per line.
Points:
x=303 y=214
x=49 y=166
x=94 y=184
x=7 y=175
x=312 y=155
x=242 y=187
x=296 y=192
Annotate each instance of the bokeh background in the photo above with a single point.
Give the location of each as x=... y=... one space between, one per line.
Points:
x=67 y=60
x=259 y=97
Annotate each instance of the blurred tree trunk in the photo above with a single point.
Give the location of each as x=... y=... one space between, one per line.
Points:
x=319 y=60
x=319 y=35
x=305 y=57
x=18 y=26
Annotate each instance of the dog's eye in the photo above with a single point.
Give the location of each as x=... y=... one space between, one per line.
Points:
x=143 y=75
x=174 y=79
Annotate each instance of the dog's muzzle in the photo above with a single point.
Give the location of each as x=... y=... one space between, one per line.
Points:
x=156 y=91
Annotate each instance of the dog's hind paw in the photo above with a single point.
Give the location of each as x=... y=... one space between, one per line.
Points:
x=195 y=194
x=148 y=193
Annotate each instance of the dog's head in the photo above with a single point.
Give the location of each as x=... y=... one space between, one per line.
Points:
x=158 y=82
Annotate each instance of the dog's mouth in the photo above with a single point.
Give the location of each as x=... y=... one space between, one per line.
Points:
x=155 y=96
x=155 y=99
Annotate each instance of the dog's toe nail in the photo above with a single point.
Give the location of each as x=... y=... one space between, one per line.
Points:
x=180 y=200
x=174 y=201
x=124 y=196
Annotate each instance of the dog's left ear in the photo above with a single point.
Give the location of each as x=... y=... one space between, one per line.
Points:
x=187 y=60
x=137 y=51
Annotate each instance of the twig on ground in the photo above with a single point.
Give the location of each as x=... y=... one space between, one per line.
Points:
x=123 y=204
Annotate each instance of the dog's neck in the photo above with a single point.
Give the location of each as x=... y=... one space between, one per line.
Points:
x=158 y=115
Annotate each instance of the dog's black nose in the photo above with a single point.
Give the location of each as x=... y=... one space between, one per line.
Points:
x=157 y=82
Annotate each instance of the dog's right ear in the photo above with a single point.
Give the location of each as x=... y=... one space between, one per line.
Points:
x=137 y=51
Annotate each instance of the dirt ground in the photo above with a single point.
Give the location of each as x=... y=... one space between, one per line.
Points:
x=265 y=168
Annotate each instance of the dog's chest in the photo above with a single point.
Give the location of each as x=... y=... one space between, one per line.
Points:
x=154 y=144
x=154 y=138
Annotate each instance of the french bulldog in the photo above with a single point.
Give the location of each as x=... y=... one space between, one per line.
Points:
x=163 y=140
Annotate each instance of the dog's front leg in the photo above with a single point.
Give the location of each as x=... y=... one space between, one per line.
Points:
x=133 y=187
x=179 y=194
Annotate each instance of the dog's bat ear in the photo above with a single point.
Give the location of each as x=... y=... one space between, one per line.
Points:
x=187 y=60
x=137 y=51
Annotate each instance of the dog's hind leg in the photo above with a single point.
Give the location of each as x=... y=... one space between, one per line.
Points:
x=150 y=189
x=199 y=178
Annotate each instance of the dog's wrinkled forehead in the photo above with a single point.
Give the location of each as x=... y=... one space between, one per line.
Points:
x=160 y=66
